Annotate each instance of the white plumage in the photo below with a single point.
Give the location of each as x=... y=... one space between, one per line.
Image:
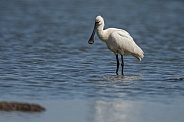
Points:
x=117 y=40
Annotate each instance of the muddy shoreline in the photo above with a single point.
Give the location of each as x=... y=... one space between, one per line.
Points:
x=20 y=106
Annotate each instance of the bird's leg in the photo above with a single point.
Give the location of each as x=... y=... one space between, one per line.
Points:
x=117 y=64
x=122 y=65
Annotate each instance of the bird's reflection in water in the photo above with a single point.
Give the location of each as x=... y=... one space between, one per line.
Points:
x=122 y=78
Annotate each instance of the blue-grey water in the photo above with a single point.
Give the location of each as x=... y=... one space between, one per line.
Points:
x=45 y=58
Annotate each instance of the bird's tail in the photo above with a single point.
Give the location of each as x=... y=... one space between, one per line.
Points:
x=138 y=53
x=139 y=57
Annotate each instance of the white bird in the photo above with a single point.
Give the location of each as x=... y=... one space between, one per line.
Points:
x=117 y=40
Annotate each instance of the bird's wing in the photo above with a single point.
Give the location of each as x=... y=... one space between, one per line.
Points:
x=127 y=44
x=123 y=40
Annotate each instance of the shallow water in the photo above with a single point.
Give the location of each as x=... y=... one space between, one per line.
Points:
x=116 y=110
x=45 y=56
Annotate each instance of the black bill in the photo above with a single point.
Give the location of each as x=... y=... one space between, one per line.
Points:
x=91 y=39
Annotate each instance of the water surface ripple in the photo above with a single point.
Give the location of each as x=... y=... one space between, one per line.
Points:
x=44 y=51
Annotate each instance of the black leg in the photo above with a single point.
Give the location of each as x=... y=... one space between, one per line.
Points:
x=122 y=64
x=117 y=64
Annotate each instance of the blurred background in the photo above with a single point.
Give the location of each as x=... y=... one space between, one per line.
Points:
x=45 y=58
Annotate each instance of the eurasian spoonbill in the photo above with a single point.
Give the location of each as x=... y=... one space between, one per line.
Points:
x=117 y=40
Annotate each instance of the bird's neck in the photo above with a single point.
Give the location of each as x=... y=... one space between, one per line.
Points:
x=101 y=33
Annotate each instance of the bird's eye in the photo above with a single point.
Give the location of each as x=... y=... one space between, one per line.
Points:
x=97 y=23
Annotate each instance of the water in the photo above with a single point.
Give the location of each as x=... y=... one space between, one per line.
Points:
x=45 y=58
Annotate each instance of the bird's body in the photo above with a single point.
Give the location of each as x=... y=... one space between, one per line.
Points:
x=118 y=41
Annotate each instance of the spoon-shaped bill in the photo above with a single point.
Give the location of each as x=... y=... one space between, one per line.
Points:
x=91 y=39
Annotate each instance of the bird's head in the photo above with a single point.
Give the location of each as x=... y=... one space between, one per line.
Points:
x=98 y=22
